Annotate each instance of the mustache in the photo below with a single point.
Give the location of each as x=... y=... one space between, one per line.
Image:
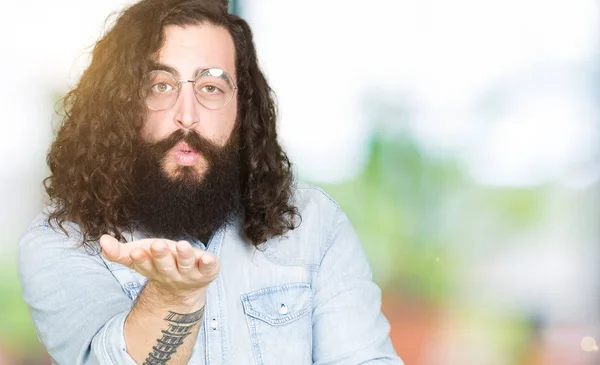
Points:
x=192 y=138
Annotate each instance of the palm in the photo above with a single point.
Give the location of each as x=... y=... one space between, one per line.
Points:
x=116 y=251
x=177 y=264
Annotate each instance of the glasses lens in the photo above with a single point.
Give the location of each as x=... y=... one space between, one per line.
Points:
x=159 y=90
x=214 y=88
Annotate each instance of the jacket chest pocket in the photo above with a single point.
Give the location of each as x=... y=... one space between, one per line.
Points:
x=279 y=321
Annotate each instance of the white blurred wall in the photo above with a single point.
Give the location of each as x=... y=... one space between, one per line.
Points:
x=440 y=60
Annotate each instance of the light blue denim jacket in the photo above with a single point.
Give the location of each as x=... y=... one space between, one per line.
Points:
x=306 y=298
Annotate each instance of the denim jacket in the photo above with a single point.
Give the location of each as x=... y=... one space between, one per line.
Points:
x=304 y=298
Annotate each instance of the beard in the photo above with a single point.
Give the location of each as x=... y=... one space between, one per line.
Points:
x=185 y=204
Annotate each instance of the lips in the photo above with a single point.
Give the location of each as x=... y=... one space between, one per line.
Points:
x=185 y=155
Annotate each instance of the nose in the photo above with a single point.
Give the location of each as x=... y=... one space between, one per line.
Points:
x=187 y=114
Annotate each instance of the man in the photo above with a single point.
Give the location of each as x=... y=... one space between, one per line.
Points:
x=168 y=163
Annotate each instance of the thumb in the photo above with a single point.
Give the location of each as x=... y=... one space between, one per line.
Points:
x=110 y=247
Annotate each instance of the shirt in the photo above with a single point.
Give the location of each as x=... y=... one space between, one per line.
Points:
x=306 y=297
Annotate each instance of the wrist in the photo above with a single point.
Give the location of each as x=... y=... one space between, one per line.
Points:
x=184 y=297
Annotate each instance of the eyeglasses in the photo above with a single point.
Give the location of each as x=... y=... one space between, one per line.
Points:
x=213 y=88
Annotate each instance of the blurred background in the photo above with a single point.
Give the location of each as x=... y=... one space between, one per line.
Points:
x=461 y=137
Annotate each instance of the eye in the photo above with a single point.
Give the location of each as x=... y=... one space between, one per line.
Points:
x=210 y=89
x=162 y=87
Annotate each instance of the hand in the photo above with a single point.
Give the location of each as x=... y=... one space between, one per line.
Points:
x=176 y=266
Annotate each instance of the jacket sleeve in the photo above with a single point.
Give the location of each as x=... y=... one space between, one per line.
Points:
x=77 y=306
x=348 y=326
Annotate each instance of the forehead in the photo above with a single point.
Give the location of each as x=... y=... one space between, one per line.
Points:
x=187 y=49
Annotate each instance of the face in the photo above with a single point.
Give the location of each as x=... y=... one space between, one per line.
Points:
x=187 y=181
x=186 y=53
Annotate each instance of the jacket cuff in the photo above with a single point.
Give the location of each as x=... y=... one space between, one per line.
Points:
x=109 y=345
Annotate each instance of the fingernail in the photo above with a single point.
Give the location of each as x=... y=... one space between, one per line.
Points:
x=158 y=246
x=207 y=260
x=182 y=245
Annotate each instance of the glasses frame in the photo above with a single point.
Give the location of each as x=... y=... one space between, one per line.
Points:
x=179 y=82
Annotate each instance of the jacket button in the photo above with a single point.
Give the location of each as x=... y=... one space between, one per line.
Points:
x=214 y=324
x=283 y=309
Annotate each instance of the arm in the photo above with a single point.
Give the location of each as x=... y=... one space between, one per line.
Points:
x=348 y=326
x=160 y=328
x=164 y=322
x=78 y=308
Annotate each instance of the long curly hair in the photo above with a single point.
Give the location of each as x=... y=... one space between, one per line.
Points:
x=92 y=158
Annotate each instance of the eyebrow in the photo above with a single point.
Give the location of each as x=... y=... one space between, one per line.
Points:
x=159 y=66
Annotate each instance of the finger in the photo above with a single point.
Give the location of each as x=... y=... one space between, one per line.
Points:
x=111 y=250
x=141 y=261
x=116 y=249
x=208 y=264
x=146 y=242
x=164 y=262
x=186 y=259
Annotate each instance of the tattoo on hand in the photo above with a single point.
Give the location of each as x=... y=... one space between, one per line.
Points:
x=180 y=326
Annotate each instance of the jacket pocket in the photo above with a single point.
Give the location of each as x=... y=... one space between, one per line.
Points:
x=279 y=321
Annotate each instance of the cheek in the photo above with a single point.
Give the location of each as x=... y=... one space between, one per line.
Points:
x=154 y=129
x=230 y=117
x=219 y=128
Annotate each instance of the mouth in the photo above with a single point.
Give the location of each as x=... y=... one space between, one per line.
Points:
x=185 y=155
